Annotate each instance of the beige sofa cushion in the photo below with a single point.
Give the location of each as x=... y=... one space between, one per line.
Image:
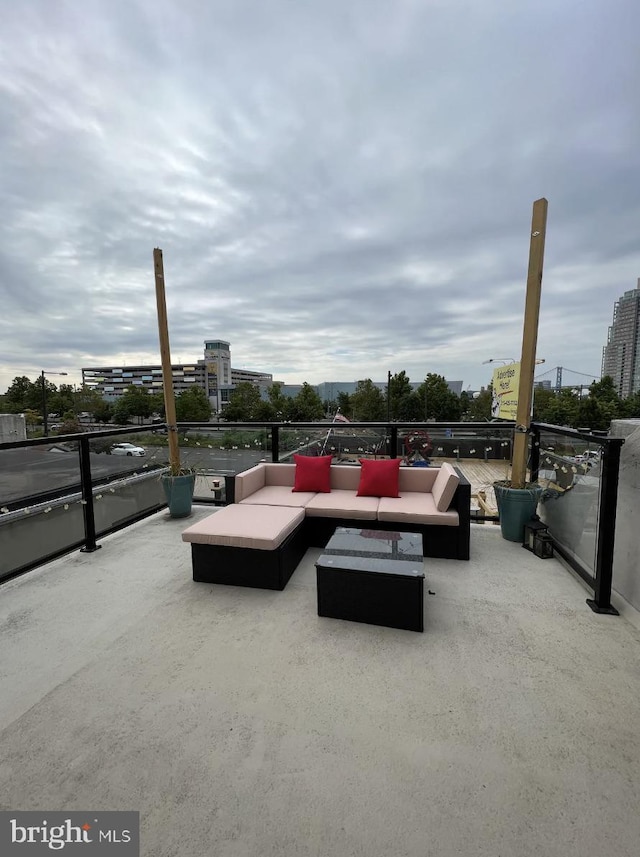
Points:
x=445 y=486
x=342 y=504
x=278 y=495
x=250 y=481
x=417 y=478
x=415 y=507
x=246 y=527
x=345 y=477
x=280 y=474
x=264 y=474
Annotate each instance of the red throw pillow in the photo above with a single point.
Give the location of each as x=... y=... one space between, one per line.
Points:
x=379 y=478
x=313 y=473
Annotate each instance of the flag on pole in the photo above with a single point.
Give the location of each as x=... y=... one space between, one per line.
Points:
x=339 y=418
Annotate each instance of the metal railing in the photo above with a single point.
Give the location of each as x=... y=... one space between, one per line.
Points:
x=599 y=500
x=75 y=493
x=279 y=441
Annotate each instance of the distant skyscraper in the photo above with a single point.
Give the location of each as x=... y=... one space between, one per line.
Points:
x=621 y=354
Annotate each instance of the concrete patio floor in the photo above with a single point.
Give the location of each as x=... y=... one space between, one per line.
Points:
x=241 y=724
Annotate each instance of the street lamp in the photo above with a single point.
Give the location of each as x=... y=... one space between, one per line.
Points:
x=44 y=399
x=509 y=360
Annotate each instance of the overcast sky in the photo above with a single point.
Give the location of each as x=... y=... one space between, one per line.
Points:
x=339 y=187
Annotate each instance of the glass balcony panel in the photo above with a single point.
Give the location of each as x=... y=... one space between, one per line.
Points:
x=39 y=493
x=123 y=500
x=38 y=531
x=217 y=452
x=37 y=472
x=347 y=444
x=570 y=501
x=300 y=442
x=454 y=444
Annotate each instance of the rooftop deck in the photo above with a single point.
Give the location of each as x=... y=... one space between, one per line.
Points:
x=239 y=723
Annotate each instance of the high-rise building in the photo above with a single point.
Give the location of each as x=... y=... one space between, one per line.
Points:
x=217 y=365
x=621 y=354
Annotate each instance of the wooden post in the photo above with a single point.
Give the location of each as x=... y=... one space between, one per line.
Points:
x=167 y=373
x=529 y=342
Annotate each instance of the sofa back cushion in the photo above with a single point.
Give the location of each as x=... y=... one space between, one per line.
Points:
x=279 y=474
x=312 y=473
x=417 y=478
x=444 y=487
x=345 y=477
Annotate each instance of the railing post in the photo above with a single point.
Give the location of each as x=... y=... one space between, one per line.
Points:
x=229 y=489
x=534 y=463
x=607 y=502
x=87 y=499
x=393 y=442
x=275 y=443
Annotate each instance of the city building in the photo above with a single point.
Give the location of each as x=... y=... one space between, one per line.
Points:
x=213 y=373
x=621 y=354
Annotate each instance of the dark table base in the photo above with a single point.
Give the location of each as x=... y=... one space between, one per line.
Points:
x=395 y=601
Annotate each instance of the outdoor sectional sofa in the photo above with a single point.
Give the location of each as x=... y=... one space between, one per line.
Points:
x=259 y=539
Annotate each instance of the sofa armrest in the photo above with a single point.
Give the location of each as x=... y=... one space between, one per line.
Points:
x=462 y=497
x=250 y=481
x=462 y=504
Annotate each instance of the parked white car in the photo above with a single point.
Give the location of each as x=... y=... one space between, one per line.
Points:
x=589 y=458
x=127 y=449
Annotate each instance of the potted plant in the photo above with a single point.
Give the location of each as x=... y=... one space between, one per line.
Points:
x=516 y=505
x=178 y=485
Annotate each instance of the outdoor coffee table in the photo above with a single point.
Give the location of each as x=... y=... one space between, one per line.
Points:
x=372 y=576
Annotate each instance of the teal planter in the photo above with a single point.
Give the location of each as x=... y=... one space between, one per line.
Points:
x=179 y=493
x=516 y=506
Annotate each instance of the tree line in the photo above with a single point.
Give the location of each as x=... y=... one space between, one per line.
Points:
x=68 y=403
x=431 y=400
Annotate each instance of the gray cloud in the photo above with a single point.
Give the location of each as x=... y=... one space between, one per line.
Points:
x=339 y=189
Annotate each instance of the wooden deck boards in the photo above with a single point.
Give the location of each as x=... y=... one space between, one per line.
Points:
x=481 y=475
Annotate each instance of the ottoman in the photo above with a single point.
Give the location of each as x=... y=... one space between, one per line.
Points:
x=247 y=545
